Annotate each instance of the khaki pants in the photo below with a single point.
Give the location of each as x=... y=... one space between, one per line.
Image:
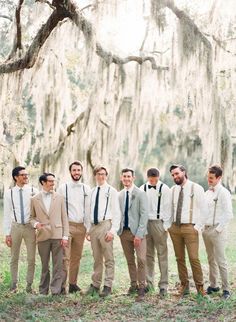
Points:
x=102 y=250
x=21 y=232
x=45 y=248
x=73 y=253
x=215 y=247
x=187 y=236
x=157 y=240
x=136 y=272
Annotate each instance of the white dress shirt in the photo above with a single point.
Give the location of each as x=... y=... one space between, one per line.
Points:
x=27 y=193
x=47 y=199
x=218 y=202
x=108 y=206
x=165 y=204
x=78 y=196
x=199 y=204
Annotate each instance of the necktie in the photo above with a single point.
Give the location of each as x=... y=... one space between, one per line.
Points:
x=21 y=207
x=95 y=213
x=150 y=187
x=179 y=207
x=126 y=210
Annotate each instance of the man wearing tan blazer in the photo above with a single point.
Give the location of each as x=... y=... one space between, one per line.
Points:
x=48 y=216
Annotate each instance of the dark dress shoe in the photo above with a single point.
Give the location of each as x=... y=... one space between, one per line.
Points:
x=225 y=295
x=92 y=290
x=211 y=290
x=73 y=288
x=106 y=291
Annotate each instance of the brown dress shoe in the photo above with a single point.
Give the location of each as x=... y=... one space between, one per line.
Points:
x=200 y=290
x=141 y=294
x=106 y=291
x=132 y=290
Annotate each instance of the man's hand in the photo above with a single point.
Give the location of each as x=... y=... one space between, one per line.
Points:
x=64 y=243
x=39 y=225
x=8 y=240
x=137 y=242
x=88 y=237
x=109 y=236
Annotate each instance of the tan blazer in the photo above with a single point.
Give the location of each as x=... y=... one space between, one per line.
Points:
x=55 y=222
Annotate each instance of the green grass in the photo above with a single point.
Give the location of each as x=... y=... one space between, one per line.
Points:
x=118 y=306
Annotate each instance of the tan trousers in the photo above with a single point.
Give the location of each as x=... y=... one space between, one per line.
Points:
x=215 y=244
x=45 y=248
x=102 y=250
x=187 y=236
x=157 y=240
x=21 y=232
x=73 y=253
x=136 y=272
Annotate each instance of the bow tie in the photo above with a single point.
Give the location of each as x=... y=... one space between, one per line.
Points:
x=211 y=188
x=150 y=187
x=45 y=193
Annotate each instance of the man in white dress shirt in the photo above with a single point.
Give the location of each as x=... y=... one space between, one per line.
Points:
x=218 y=216
x=75 y=194
x=159 y=220
x=17 y=226
x=105 y=217
x=188 y=212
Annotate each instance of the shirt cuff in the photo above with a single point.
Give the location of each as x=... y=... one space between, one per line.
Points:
x=35 y=224
x=65 y=238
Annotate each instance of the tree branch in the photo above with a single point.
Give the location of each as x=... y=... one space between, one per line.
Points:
x=5 y=17
x=32 y=53
x=17 y=45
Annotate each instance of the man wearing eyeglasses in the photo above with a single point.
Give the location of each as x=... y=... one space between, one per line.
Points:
x=17 y=226
x=105 y=217
x=48 y=216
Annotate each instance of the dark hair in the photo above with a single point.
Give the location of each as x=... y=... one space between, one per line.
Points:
x=99 y=168
x=127 y=170
x=179 y=166
x=216 y=170
x=75 y=163
x=44 y=177
x=153 y=172
x=16 y=171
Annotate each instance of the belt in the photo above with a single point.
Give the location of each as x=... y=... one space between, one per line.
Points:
x=126 y=228
x=101 y=222
x=208 y=226
x=75 y=223
x=184 y=224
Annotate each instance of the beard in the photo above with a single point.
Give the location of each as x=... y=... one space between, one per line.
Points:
x=75 y=178
x=179 y=181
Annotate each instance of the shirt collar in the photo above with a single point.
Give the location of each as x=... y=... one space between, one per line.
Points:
x=130 y=189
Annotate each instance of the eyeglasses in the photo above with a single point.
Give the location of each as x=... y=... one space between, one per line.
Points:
x=101 y=174
x=51 y=181
x=23 y=175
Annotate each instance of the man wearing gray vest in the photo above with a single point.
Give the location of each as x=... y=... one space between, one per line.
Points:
x=159 y=220
x=17 y=227
x=215 y=233
x=75 y=194
x=188 y=212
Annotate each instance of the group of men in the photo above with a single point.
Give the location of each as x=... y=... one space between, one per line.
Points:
x=142 y=217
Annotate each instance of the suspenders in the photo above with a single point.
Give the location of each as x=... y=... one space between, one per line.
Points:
x=159 y=199
x=215 y=200
x=108 y=195
x=13 y=206
x=67 y=204
x=191 y=204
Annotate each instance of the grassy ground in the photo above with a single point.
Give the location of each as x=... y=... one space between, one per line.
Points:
x=118 y=307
